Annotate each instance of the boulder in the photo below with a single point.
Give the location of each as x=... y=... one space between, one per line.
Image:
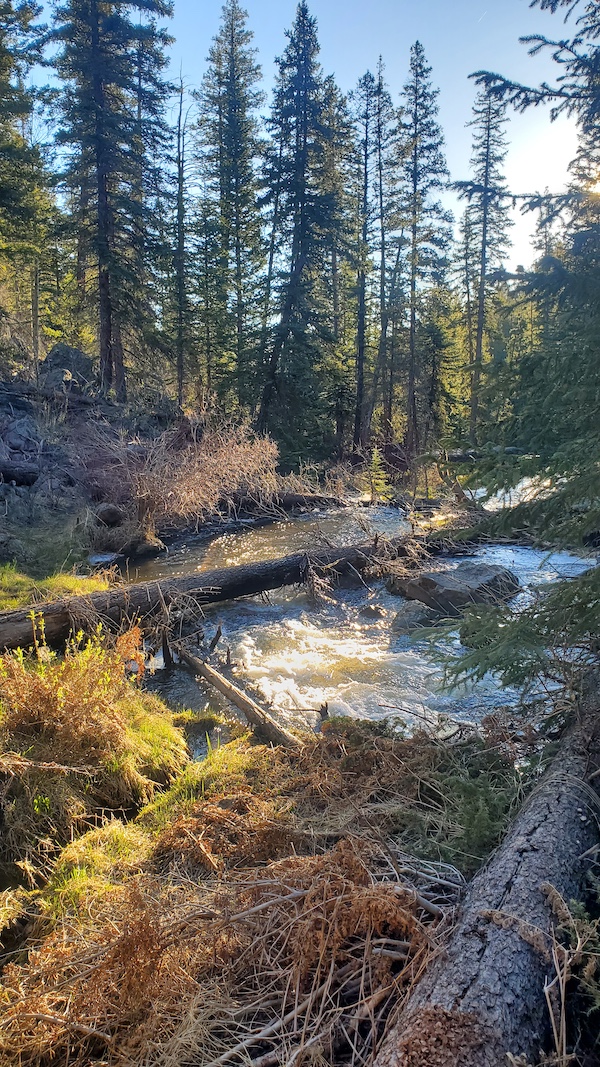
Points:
x=22 y=435
x=448 y=592
x=65 y=365
x=412 y=616
x=371 y=611
x=110 y=515
x=105 y=559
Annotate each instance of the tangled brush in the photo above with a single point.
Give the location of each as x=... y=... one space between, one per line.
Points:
x=298 y=961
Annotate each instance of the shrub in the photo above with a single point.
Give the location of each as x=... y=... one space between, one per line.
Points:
x=79 y=736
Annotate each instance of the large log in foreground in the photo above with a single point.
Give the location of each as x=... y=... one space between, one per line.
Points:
x=482 y=1000
x=146 y=599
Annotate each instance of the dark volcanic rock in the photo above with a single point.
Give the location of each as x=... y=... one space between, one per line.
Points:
x=448 y=592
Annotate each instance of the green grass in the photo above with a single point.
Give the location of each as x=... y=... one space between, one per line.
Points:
x=202 y=719
x=19 y=590
x=227 y=769
x=79 y=739
x=95 y=867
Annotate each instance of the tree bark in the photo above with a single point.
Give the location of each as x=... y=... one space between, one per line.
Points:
x=481 y=303
x=483 y=997
x=256 y=716
x=283 y=501
x=147 y=599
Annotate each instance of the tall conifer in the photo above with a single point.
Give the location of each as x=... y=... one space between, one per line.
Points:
x=424 y=175
x=488 y=217
x=305 y=209
x=110 y=59
x=230 y=144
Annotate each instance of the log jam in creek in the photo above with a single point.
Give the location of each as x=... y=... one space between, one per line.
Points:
x=298 y=654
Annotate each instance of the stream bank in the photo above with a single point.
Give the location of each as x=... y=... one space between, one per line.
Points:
x=346 y=858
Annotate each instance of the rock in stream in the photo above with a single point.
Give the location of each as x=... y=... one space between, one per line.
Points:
x=449 y=591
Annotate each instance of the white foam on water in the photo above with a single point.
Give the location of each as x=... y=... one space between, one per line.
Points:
x=299 y=655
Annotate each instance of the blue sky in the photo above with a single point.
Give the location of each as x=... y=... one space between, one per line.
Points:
x=459 y=36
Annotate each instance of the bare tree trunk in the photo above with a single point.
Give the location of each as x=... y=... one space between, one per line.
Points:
x=180 y=252
x=361 y=329
x=35 y=317
x=483 y=997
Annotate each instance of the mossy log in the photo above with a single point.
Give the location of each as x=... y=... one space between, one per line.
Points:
x=482 y=1000
x=147 y=599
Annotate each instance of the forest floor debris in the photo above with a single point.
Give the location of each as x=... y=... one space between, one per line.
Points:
x=267 y=906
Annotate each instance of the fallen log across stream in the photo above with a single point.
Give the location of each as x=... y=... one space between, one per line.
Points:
x=484 y=1002
x=144 y=600
x=257 y=716
x=283 y=501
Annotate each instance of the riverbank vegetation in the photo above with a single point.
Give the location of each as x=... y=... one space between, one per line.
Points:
x=79 y=740
x=19 y=590
x=258 y=870
x=201 y=316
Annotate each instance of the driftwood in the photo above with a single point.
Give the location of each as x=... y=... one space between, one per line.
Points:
x=256 y=715
x=483 y=998
x=19 y=473
x=147 y=599
x=284 y=501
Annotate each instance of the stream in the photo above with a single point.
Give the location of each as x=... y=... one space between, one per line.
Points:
x=297 y=654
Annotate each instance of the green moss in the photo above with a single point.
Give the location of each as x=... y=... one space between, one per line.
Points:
x=19 y=590
x=95 y=867
x=227 y=769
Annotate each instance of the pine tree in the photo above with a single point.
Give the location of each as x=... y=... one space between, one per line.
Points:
x=230 y=145
x=551 y=392
x=182 y=300
x=305 y=214
x=335 y=296
x=377 y=192
x=110 y=63
x=365 y=118
x=386 y=152
x=19 y=161
x=25 y=200
x=424 y=174
x=488 y=219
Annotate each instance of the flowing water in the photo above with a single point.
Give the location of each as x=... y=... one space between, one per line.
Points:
x=298 y=655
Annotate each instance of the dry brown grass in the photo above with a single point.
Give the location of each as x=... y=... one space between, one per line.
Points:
x=77 y=736
x=181 y=476
x=308 y=953
x=269 y=913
